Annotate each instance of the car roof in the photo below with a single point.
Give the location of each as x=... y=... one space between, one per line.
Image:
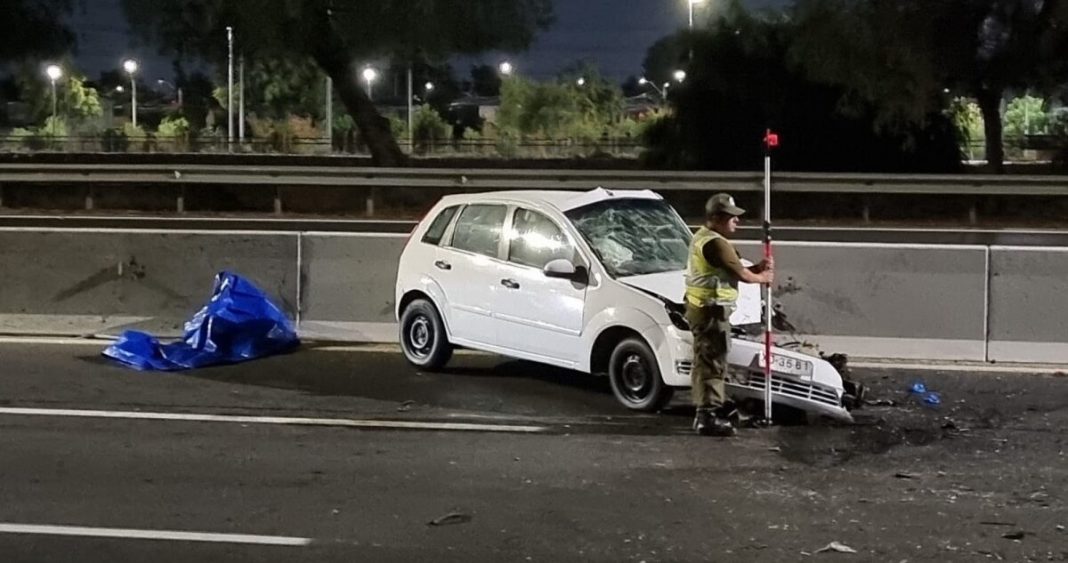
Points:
x=562 y=200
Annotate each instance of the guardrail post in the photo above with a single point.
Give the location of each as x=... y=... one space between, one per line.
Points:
x=865 y=210
x=89 y=198
x=973 y=212
x=370 y=211
x=180 y=204
x=278 y=200
x=1 y=195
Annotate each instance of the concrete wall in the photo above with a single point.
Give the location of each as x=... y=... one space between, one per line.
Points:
x=89 y=282
x=1028 y=304
x=879 y=300
x=347 y=285
x=868 y=300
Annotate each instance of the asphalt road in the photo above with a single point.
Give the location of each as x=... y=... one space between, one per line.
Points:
x=552 y=470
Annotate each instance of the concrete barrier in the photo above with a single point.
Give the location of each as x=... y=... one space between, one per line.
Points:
x=882 y=300
x=1028 y=304
x=872 y=300
x=77 y=282
x=347 y=285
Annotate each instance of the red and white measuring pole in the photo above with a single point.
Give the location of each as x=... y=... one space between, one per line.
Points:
x=771 y=141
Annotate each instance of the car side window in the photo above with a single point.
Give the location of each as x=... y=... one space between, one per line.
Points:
x=479 y=229
x=534 y=240
x=437 y=227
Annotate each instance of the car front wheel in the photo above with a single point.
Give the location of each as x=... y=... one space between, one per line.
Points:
x=422 y=336
x=635 y=376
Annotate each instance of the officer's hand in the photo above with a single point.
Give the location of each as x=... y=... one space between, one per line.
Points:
x=769 y=263
x=769 y=276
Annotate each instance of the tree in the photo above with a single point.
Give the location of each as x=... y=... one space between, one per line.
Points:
x=75 y=101
x=485 y=80
x=663 y=58
x=340 y=37
x=741 y=82
x=34 y=28
x=900 y=54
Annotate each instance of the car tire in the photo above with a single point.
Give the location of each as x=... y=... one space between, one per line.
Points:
x=635 y=376
x=422 y=336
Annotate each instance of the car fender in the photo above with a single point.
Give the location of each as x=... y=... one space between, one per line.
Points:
x=432 y=289
x=627 y=317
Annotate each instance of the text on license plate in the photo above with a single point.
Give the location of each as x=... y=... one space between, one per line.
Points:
x=786 y=364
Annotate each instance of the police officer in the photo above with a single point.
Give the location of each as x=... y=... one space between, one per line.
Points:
x=713 y=272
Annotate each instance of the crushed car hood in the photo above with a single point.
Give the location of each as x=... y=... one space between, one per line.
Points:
x=672 y=286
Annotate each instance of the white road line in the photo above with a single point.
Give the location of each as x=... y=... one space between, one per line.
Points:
x=57 y=341
x=296 y=421
x=974 y=368
x=126 y=533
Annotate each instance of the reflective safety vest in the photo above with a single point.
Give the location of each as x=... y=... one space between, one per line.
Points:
x=707 y=284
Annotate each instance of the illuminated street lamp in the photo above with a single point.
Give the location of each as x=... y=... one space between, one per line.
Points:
x=679 y=75
x=54 y=73
x=130 y=66
x=645 y=82
x=506 y=68
x=176 y=89
x=581 y=81
x=692 y=3
x=370 y=74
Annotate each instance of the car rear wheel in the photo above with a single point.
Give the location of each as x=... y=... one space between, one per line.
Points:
x=635 y=376
x=422 y=336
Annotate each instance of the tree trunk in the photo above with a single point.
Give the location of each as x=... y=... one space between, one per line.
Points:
x=990 y=106
x=373 y=127
x=331 y=54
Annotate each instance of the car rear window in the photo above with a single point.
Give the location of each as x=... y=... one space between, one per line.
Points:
x=441 y=222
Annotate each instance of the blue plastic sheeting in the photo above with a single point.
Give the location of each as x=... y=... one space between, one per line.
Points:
x=239 y=323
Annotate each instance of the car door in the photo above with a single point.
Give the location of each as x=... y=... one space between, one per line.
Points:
x=466 y=268
x=539 y=316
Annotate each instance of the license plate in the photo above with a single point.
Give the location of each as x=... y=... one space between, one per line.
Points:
x=787 y=365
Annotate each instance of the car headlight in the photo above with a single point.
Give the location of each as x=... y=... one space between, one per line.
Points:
x=678 y=319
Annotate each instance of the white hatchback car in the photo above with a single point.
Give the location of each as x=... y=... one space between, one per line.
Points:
x=591 y=281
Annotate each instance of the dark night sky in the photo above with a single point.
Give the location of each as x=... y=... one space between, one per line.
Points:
x=613 y=34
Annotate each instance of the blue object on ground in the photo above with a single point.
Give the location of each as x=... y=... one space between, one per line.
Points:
x=918 y=387
x=932 y=398
x=239 y=323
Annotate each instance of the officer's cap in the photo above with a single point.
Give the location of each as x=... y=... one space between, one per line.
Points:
x=722 y=204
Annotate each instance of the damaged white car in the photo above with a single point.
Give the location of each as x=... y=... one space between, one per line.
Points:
x=591 y=281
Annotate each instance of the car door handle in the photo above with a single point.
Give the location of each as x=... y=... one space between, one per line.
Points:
x=510 y=284
x=443 y=265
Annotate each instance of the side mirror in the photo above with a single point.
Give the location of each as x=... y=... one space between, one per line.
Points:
x=563 y=268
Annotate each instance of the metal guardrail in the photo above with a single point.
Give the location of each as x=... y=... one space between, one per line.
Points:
x=507 y=179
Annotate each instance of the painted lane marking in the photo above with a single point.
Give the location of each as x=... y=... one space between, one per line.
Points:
x=295 y=421
x=974 y=368
x=127 y=533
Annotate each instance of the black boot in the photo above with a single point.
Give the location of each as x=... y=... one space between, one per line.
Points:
x=707 y=423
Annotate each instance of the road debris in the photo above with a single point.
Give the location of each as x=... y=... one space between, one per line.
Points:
x=904 y=475
x=836 y=547
x=450 y=518
x=1017 y=535
x=405 y=406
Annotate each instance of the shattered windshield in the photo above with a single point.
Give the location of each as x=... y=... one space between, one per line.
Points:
x=634 y=236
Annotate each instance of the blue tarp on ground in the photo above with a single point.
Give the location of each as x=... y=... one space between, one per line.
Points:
x=239 y=323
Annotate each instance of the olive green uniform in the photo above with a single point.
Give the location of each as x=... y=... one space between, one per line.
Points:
x=711 y=296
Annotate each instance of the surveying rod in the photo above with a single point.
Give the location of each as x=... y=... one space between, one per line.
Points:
x=771 y=140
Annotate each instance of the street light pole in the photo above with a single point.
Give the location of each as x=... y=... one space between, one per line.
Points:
x=241 y=98
x=692 y=3
x=330 y=112
x=54 y=73
x=230 y=85
x=411 y=131
x=131 y=68
x=369 y=74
